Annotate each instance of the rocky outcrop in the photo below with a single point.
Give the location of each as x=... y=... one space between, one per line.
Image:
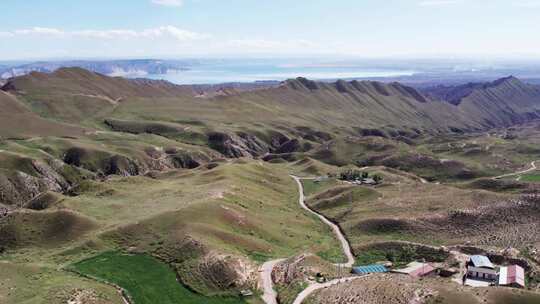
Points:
x=228 y=145
x=43 y=201
x=219 y=273
x=277 y=139
x=311 y=134
x=243 y=144
x=255 y=145
x=53 y=180
x=372 y=132
x=121 y=165
x=18 y=188
x=174 y=158
x=290 y=146
x=101 y=162
x=183 y=160
x=154 y=159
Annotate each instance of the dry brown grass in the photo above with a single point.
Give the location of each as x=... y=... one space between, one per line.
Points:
x=402 y=289
x=436 y=214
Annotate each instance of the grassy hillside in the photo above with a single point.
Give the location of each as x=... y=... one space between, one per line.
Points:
x=76 y=95
x=18 y=121
x=224 y=221
x=91 y=164
x=505 y=102
x=403 y=209
x=38 y=284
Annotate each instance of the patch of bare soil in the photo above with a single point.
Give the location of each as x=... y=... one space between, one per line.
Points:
x=303 y=267
x=291 y=276
x=84 y=296
x=401 y=289
x=375 y=289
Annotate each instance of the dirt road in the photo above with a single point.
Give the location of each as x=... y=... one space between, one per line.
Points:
x=337 y=231
x=270 y=295
x=312 y=288
x=532 y=168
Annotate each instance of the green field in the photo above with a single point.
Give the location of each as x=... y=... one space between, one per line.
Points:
x=145 y=279
x=534 y=177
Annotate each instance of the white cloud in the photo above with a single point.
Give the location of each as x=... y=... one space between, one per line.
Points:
x=174 y=32
x=39 y=31
x=164 y=32
x=173 y=3
x=6 y=34
x=439 y=2
x=106 y=34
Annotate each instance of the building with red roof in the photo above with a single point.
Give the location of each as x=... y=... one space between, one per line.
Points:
x=416 y=269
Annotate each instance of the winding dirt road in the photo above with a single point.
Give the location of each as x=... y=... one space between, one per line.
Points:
x=532 y=168
x=270 y=296
x=337 y=231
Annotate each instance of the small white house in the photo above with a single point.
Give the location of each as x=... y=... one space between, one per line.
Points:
x=481 y=268
x=513 y=276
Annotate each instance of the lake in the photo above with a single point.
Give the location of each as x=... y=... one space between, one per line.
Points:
x=251 y=72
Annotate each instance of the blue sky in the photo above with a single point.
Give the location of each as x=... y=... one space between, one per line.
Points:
x=34 y=29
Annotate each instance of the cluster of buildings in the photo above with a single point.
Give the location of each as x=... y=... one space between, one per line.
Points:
x=365 y=181
x=482 y=272
x=369 y=181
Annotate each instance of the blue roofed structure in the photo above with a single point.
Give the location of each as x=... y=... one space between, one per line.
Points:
x=369 y=269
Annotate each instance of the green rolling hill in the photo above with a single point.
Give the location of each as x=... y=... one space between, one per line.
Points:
x=200 y=180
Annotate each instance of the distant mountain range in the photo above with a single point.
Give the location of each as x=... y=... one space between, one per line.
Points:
x=454 y=94
x=230 y=72
x=73 y=95
x=124 y=68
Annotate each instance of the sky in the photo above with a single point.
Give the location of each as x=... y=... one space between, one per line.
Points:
x=41 y=29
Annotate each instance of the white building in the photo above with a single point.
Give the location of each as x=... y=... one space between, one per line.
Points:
x=513 y=275
x=481 y=268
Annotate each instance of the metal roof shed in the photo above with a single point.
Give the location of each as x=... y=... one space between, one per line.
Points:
x=481 y=261
x=369 y=269
x=416 y=269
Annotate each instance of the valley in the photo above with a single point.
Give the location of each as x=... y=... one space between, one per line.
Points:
x=236 y=196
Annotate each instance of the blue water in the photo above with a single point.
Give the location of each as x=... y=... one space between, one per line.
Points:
x=251 y=72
